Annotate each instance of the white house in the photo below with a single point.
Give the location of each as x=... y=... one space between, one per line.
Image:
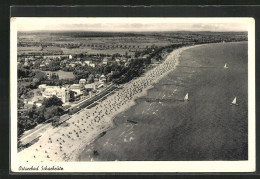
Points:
x=82 y=81
x=60 y=92
x=101 y=85
x=102 y=78
x=105 y=61
x=42 y=86
x=92 y=65
x=118 y=60
x=91 y=86
x=87 y=62
x=76 y=89
x=38 y=103
x=72 y=64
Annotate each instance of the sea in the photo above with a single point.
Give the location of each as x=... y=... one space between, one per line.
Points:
x=204 y=128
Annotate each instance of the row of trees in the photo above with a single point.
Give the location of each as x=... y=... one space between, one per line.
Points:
x=137 y=66
x=135 y=69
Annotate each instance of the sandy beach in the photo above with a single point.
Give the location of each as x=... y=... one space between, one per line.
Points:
x=64 y=143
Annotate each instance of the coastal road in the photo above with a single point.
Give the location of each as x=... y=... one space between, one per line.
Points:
x=36 y=131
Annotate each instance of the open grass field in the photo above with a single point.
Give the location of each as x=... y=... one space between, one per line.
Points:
x=62 y=74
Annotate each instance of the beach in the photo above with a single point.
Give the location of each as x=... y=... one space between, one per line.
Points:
x=67 y=142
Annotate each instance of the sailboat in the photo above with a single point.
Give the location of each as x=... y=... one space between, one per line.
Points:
x=225 y=66
x=234 y=102
x=186 y=98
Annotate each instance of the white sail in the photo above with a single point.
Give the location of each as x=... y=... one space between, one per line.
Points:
x=234 y=100
x=186 y=98
x=225 y=66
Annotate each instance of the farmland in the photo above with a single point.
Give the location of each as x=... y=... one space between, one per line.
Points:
x=111 y=43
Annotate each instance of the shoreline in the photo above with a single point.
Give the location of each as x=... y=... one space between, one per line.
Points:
x=122 y=99
x=133 y=100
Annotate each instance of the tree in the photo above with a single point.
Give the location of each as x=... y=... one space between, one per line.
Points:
x=37 y=63
x=35 y=82
x=52 y=101
x=29 y=95
x=41 y=110
x=54 y=65
x=40 y=75
x=32 y=113
x=72 y=94
x=51 y=112
x=20 y=103
x=81 y=55
x=22 y=73
x=22 y=90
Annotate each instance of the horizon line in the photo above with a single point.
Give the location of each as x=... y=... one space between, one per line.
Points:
x=126 y=31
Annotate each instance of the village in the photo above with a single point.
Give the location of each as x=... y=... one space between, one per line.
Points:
x=87 y=77
x=69 y=93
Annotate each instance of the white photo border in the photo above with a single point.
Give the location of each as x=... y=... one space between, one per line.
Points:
x=144 y=166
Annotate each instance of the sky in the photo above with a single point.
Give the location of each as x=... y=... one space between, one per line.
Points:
x=132 y=24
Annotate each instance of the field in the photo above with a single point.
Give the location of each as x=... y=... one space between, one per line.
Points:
x=62 y=74
x=111 y=43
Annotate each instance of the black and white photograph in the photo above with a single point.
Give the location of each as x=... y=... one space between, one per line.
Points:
x=132 y=94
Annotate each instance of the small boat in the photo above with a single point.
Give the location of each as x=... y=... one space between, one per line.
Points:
x=131 y=121
x=186 y=98
x=234 y=102
x=225 y=66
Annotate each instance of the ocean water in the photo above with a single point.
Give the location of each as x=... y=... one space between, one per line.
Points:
x=205 y=128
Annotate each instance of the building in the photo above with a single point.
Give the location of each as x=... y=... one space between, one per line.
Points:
x=42 y=65
x=60 y=92
x=26 y=64
x=123 y=59
x=112 y=72
x=118 y=61
x=78 y=62
x=38 y=103
x=76 y=89
x=82 y=81
x=70 y=57
x=87 y=62
x=100 y=85
x=105 y=61
x=92 y=65
x=91 y=86
x=127 y=64
x=36 y=100
x=102 y=79
x=96 y=80
x=72 y=64
x=65 y=95
x=42 y=86
x=50 y=91
x=145 y=56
